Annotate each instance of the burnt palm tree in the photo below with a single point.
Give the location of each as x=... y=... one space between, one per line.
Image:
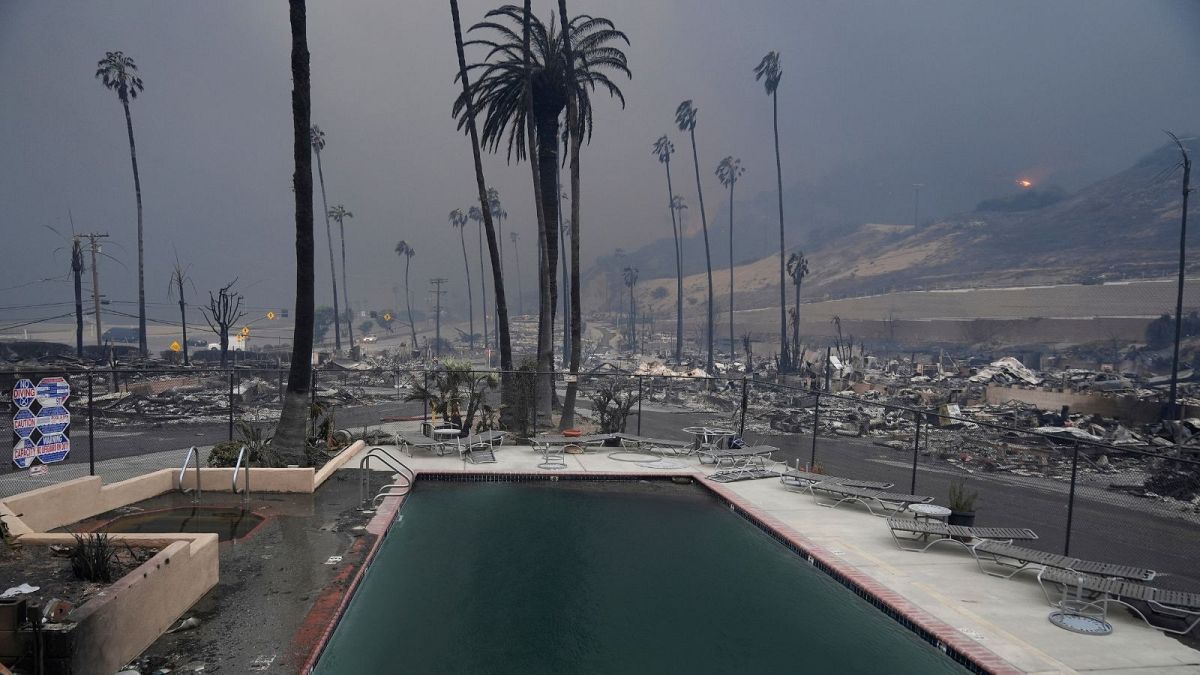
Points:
x=407 y=252
x=498 y=215
x=797 y=269
x=289 y=442
x=118 y=73
x=663 y=149
x=685 y=119
x=318 y=144
x=458 y=220
x=340 y=214
x=769 y=72
x=514 y=237
x=630 y=274
x=728 y=172
x=561 y=74
x=476 y=214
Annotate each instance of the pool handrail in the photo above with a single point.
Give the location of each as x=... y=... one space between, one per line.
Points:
x=236 y=467
x=391 y=461
x=192 y=451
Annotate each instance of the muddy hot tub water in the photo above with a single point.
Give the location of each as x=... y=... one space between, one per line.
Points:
x=227 y=523
x=586 y=577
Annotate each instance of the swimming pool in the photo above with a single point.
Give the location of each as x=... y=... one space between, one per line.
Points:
x=579 y=576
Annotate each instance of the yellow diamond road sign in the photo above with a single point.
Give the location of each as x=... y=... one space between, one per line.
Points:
x=245 y=331
x=387 y=317
x=175 y=346
x=270 y=316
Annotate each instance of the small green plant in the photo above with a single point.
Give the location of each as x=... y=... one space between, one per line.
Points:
x=962 y=500
x=93 y=557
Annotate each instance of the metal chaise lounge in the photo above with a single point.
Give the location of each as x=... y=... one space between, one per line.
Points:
x=643 y=442
x=804 y=480
x=546 y=441
x=894 y=502
x=754 y=453
x=1182 y=606
x=409 y=443
x=480 y=448
x=1019 y=558
x=955 y=534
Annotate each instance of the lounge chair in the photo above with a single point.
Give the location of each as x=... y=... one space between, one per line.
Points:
x=894 y=502
x=1182 y=606
x=733 y=456
x=955 y=534
x=642 y=442
x=421 y=442
x=804 y=480
x=480 y=448
x=541 y=443
x=1019 y=558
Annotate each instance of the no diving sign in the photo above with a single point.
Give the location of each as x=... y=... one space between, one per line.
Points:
x=41 y=421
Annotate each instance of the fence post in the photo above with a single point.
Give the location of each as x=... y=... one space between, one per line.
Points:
x=745 y=403
x=1071 y=499
x=231 y=405
x=425 y=399
x=639 y=405
x=812 y=462
x=916 y=448
x=91 y=432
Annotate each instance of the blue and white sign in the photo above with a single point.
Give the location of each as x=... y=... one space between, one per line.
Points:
x=23 y=453
x=52 y=448
x=52 y=391
x=24 y=393
x=52 y=420
x=24 y=422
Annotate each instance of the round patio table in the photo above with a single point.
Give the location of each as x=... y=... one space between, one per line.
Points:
x=708 y=437
x=929 y=511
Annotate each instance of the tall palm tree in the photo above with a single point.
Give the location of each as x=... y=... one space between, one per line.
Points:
x=318 y=144
x=469 y=106
x=685 y=119
x=769 y=71
x=562 y=73
x=476 y=214
x=630 y=275
x=663 y=149
x=517 y=252
x=563 y=231
x=340 y=214
x=119 y=73
x=407 y=252
x=289 y=442
x=498 y=214
x=797 y=268
x=458 y=220
x=728 y=172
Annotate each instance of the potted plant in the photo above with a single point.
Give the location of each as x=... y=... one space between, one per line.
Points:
x=962 y=505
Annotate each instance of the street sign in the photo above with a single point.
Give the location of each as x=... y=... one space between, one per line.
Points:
x=387 y=316
x=23 y=393
x=245 y=331
x=175 y=346
x=52 y=391
x=270 y=315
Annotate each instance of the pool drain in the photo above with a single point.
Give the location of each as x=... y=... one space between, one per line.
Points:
x=1079 y=623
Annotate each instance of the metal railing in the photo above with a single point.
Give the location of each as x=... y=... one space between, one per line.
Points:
x=192 y=452
x=236 y=467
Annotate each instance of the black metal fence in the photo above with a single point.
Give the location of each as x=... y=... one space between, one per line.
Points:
x=1083 y=495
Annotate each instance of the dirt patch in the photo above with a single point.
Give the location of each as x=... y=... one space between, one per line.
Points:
x=49 y=568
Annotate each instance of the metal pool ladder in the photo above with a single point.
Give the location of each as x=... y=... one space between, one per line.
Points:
x=236 y=468
x=192 y=452
x=397 y=489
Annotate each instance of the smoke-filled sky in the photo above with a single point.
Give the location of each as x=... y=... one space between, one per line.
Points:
x=963 y=97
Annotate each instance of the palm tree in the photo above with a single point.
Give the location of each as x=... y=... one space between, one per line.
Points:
x=663 y=149
x=728 y=172
x=685 y=119
x=340 y=214
x=476 y=214
x=769 y=71
x=520 y=294
x=118 y=73
x=458 y=220
x=469 y=105
x=318 y=144
x=289 y=442
x=498 y=214
x=797 y=268
x=407 y=252
x=561 y=74
x=631 y=277
x=563 y=231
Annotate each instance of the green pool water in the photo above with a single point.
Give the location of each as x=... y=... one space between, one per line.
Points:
x=575 y=577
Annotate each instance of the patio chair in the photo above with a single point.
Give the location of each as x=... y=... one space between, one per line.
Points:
x=803 y=481
x=480 y=448
x=1182 y=606
x=956 y=534
x=658 y=444
x=755 y=453
x=420 y=442
x=893 y=502
x=1020 y=558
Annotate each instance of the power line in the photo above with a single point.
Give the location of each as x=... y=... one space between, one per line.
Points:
x=30 y=323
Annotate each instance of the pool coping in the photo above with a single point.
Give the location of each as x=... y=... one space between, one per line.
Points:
x=941 y=635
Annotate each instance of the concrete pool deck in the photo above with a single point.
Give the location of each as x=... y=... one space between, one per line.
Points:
x=1006 y=617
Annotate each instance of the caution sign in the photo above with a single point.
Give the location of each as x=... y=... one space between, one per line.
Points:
x=175 y=346
x=40 y=421
x=270 y=315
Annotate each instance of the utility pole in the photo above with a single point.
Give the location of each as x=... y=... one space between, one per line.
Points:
x=94 y=246
x=77 y=270
x=437 y=345
x=1173 y=409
